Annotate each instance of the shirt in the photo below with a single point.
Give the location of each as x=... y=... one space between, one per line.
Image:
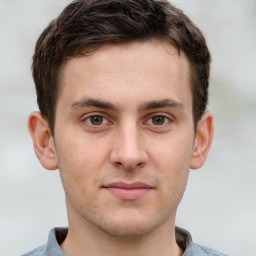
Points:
x=183 y=238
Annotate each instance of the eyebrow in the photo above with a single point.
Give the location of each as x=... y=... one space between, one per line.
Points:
x=90 y=102
x=161 y=104
x=155 y=104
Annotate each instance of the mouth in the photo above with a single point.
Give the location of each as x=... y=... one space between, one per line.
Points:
x=128 y=191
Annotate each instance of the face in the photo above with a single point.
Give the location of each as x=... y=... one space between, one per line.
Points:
x=124 y=137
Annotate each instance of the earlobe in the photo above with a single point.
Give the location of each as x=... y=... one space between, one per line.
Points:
x=42 y=140
x=203 y=141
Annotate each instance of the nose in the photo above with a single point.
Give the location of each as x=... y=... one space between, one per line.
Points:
x=128 y=150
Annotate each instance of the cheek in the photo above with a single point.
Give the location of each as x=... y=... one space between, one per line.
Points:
x=173 y=152
x=171 y=159
x=80 y=152
x=74 y=162
x=173 y=174
x=81 y=159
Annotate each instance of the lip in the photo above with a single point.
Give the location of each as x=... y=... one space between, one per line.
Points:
x=128 y=191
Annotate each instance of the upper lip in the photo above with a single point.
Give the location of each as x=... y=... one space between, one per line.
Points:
x=125 y=185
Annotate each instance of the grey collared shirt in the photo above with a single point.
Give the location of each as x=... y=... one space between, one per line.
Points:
x=183 y=238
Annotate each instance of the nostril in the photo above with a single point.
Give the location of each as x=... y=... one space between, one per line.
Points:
x=119 y=164
x=129 y=165
x=141 y=164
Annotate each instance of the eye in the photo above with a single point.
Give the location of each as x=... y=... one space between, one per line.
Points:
x=96 y=120
x=158 y=120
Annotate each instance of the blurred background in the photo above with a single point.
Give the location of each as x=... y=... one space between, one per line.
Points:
x=219 y=206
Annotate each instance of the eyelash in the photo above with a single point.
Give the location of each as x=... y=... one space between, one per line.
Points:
x=105 y=121
x=88 y=119
x=166 y=120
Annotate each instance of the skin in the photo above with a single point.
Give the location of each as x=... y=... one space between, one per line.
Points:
x=124 y=113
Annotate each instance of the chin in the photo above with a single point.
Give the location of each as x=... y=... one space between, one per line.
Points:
x=129 y=225
x=127 y=230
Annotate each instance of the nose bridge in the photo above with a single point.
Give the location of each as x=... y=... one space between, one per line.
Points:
x=130 y=143
x=128 y=149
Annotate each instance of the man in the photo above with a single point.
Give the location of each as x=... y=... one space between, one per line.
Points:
x=122 y=87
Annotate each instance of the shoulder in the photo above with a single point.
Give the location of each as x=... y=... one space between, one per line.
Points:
x=208 y=251
x=51 y=248
x=190 y=248
x=36 y=252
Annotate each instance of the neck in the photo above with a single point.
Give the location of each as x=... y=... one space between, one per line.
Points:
x=86 y=239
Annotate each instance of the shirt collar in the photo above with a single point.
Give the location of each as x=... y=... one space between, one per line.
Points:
x=183 y=238
x=55 y=238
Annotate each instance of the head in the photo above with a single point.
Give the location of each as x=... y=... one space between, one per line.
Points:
x=122 y=90
x=86 y=25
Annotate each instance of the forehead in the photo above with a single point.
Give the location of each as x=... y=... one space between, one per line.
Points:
x=129 y=56
x=115 y=70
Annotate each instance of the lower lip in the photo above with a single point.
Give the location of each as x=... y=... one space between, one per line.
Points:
x=129 y=194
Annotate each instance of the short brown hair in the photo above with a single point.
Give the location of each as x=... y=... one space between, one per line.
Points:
x=86 y=25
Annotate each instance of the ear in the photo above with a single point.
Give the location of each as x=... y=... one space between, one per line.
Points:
x=42 y=140
x=203 y=140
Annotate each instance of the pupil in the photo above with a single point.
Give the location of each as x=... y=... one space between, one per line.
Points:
x=158 y=120
x=96 y=120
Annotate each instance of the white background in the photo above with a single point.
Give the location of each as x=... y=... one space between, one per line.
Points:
x=219 y=206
